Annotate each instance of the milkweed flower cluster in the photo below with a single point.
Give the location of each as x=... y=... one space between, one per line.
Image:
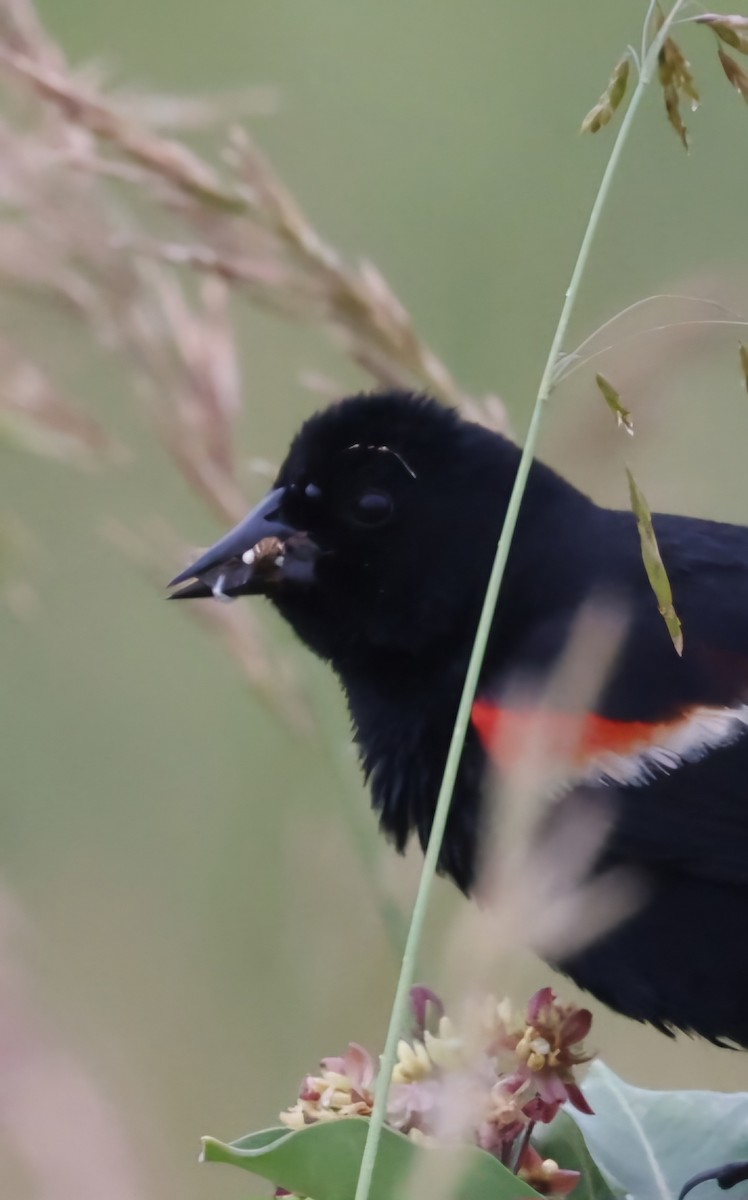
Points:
x=486 y=1079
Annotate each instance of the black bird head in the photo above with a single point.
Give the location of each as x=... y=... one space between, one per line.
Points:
x=376 y=543
x=377 y=534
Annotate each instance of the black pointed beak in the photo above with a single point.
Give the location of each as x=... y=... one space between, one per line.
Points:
x=232 y=568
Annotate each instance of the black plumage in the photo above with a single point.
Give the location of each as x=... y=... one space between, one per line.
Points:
x=383 y=521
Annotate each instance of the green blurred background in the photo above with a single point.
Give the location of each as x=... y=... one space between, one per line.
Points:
x=198 y=929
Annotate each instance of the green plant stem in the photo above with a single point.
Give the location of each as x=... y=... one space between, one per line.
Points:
x=407 y=970
x=646 y=26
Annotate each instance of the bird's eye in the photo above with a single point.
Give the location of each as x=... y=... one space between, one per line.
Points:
x=312 y=491
x=372 y=508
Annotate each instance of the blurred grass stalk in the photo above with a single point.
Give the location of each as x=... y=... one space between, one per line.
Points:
x=87 y=188
x=537 y=887
x=62 y=1130
x=90 y=183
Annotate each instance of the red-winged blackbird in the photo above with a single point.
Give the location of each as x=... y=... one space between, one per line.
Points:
x=376 y=542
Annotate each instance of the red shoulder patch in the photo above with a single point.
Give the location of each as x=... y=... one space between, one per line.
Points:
x=578 y=739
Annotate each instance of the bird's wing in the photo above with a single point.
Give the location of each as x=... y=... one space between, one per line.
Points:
x=668 y=735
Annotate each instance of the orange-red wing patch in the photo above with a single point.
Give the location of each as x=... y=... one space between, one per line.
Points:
x=577 y=739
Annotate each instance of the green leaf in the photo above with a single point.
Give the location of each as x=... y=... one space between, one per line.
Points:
x=647 y=1144
x=563 y=1141
x=323 y=1161
x=613 y=401
x=653 y=563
